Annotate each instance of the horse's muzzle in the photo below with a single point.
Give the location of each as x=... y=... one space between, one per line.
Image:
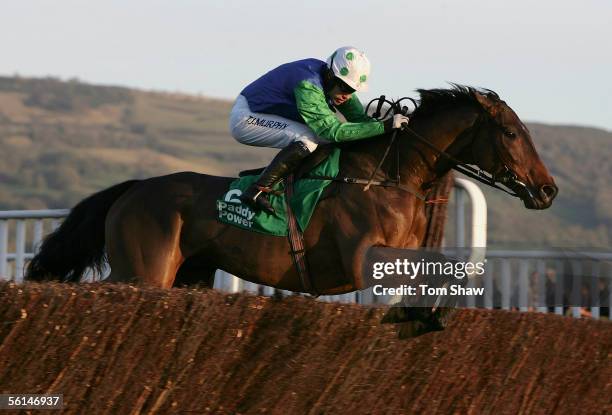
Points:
x=547 y=194
x=541 y=198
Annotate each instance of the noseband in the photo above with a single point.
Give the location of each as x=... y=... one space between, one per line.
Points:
x=505 y=175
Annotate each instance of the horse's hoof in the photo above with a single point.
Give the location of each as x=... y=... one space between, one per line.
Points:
x=405 y=314
x=414 y=321
x=412 y=329
x=393 y=315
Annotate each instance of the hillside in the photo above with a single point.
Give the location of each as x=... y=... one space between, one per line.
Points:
x=120 y=349
x=580 y=160
x=63 y=140
x=68 y=139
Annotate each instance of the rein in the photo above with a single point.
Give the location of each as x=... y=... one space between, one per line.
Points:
x=507 y=178
x=475 y=173
x=395 y=183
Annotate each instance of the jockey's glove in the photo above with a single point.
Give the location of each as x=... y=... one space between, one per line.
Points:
x=395 y=122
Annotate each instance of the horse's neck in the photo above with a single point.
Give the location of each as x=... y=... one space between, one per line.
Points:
x=417 y=161
x=420 y=164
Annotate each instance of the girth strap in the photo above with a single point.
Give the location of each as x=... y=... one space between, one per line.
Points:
x=383 y=183
x=296 y=242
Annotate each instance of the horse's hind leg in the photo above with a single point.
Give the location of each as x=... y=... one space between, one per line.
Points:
x=144 y=249
x=195 y=271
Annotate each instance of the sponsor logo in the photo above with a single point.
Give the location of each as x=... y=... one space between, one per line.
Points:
x=231 y=210
x=233 y=196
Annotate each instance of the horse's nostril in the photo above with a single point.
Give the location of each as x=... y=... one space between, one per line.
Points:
x=549 y=191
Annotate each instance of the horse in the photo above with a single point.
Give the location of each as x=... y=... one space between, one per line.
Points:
x=163 y=231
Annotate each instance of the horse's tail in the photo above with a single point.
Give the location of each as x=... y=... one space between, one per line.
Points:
x=78 y=243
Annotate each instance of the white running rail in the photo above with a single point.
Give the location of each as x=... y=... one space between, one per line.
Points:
x=512 y=275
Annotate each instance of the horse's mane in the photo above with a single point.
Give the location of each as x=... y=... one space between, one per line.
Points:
x=433 y=100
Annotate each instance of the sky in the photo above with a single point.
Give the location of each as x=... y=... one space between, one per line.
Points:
x=550 y=60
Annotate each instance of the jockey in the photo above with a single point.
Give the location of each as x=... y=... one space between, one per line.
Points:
x=292 y=107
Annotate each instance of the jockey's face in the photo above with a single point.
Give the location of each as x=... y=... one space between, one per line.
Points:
x=340 y=92
x=339 y=97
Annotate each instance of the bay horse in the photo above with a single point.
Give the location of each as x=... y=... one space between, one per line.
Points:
x=163 y=231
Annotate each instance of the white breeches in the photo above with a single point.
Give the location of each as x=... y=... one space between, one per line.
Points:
x=268 y=130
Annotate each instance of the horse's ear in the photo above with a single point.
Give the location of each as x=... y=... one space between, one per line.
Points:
x=487 y=103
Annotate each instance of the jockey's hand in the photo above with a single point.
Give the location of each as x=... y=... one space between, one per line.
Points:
x=397 y=121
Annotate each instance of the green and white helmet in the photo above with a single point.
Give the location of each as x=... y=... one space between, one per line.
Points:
x=352 y=66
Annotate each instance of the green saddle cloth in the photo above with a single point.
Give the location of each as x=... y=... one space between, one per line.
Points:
x=306 y=194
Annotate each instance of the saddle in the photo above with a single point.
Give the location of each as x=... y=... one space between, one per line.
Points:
x=309 y=163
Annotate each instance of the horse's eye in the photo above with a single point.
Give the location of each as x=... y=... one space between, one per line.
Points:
x=509 y=133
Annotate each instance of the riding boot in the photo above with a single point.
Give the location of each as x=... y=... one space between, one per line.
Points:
x=283 y=163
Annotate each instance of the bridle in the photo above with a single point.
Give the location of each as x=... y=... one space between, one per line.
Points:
x=505 y=177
